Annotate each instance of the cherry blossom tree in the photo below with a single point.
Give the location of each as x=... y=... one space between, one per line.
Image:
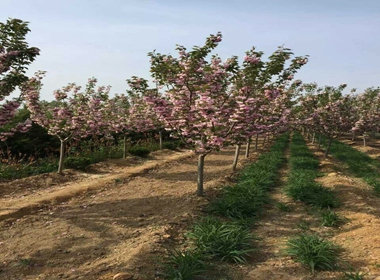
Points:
x=328 y=110
x=143 y=118
x=197 y=105
x=73 y=114
x=15 y=56
x=367 y=107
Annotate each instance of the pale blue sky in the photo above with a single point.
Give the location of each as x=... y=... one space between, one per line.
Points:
x=110 y=39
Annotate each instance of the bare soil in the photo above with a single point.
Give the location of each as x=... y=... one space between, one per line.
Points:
x=93 y=226
x=119 y=221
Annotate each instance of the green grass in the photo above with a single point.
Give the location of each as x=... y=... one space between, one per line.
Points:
x=220 y=240
x=184 y=265
x=79 y=158
x=301 y=184
x=313 y=252
x=246 y=199
x=331 y=219
x=283 y=207
x=359 y=164
x=226 y=237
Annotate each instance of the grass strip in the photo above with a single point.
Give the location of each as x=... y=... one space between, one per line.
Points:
x=225 y=235
x=358 y=163
x=301 y=184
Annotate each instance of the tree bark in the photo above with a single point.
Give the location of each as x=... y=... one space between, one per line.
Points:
x=319 y=140
x=364 y=142
x=237 y=151
x=256 y=141
x=125 y=147
x=201 y=165
x=328 y=147
x=313 y=141
x=160 y=133
x=247 y=148
x=61 y=156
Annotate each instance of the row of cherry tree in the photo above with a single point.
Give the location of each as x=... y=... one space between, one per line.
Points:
x=206 y=102
x=327 y=111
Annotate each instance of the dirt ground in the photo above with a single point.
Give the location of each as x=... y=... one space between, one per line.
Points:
x=113 y=223
x=359 y=236
x=119 y=220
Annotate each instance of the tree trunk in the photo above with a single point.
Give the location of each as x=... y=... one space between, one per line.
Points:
x=319 y=140
x=201 y=165
x=265 y=138
x=237 y=151
x=61 y=156
x=160 y=133
x=313 y=141
x=256 y=141
x=364 y=142
x=328 y=147
x=125 y=147
x=247 y=148
x=353 y=136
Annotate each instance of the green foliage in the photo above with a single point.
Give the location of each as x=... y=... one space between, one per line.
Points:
x=139 y=151
x=303 y=225
x=24 y=169
x=80 y=163
x=313 y=252
x=173 y=145
x=245 y=200
x=12 y=38
x=239 y=202
x=184 y=265
x=282 y=207
x=331 y=219
x=301 y=183
x=35 y=142
x=221 y=240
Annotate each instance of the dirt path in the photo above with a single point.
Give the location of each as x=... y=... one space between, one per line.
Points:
x=25 y=201
x=121 y=226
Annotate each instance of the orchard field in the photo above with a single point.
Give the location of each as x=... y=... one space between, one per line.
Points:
x=220 y=170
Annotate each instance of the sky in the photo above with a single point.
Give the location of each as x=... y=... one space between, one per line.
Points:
x=110 y=39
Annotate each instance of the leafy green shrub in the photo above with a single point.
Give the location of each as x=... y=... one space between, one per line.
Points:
x=331 y=219
x=313 y=252
x=184 y=265
x=224 y=241
x=170 y=145
x=80 y=163
x=239 y=202
x=139 y=151
x=312 y=194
